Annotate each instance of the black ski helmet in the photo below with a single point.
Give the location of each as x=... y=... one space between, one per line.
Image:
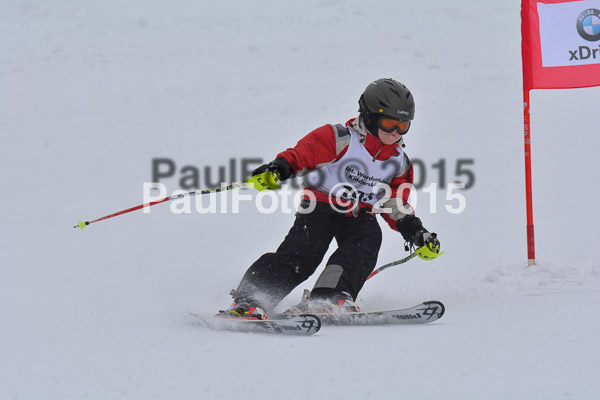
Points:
x=385 y=97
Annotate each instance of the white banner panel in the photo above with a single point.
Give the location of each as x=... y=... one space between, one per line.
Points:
x=570 y=33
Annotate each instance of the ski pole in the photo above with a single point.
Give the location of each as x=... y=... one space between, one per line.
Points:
x=386 y=266
x=424 y=252
x=265 y=181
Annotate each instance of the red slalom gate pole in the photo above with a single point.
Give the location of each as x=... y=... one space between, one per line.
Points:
x=528 y=190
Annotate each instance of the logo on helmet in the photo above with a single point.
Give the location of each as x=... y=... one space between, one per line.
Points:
x=403 y=112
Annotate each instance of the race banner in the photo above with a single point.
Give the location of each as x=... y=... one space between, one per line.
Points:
x=560 y=43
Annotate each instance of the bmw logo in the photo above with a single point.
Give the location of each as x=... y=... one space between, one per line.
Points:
x=588 y=24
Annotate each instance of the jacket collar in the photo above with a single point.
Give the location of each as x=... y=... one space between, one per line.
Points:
x=372 y=143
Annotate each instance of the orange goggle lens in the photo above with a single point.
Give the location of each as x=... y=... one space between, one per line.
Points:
x=390 y=125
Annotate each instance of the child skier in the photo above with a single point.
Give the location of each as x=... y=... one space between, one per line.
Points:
x=359 y=166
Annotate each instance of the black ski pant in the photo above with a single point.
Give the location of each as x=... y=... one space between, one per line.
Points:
x=274 y=275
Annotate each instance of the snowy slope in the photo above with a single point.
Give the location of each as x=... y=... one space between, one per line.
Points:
x=93 y=91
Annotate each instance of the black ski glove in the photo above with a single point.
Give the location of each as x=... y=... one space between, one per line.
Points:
x=429 y=239
x=413 y=232
x=279 y=166
x=409 y=226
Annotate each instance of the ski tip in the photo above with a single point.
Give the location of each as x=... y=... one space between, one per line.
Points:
x=432 y=305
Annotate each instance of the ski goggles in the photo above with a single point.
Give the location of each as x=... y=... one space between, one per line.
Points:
x=390 y=125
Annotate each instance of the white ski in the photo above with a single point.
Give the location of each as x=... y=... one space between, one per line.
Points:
x=423 y=313
x=303 y=324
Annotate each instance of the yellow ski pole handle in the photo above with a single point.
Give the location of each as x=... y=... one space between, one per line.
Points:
x=265 y=181
x=427 y=254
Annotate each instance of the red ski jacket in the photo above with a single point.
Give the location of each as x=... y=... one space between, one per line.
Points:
x=324 y=145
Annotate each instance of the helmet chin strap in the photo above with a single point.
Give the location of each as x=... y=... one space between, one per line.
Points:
x=364 y=127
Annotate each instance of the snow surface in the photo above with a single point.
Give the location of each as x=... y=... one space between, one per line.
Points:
x=92 y=91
